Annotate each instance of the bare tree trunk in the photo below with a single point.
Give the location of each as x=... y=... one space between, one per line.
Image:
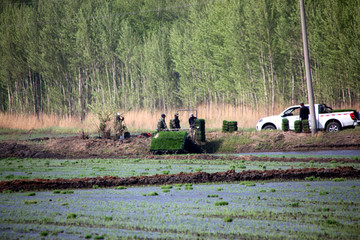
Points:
x=81 y=106
x=262 y=66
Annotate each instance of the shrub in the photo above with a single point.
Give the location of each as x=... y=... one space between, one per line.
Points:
x=285 y=124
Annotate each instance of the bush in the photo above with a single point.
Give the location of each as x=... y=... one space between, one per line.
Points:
x=297 y=126
x=285 y=124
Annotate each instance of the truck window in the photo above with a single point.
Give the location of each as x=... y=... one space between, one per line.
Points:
x=292 y=112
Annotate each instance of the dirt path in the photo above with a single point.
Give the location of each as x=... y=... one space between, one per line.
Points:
x=217 y=142
x=199 y=177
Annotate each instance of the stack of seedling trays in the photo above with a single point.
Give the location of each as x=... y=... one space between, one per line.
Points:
x=200 y=130
x=285 y=124
x=297 y=126
x=225 y=126
x=229 y=126
x=168 y=142
x=305 y=126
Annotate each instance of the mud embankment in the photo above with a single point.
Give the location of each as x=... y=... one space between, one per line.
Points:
x=199 y=177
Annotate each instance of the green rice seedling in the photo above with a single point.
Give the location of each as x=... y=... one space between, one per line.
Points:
x=323 y=193
x=153 y=194
x=250 y=184
x=228 y=219
x=241 y=166
x=166 y=187
x=212 y=196
x=108 y=218
x=31 y=202
x=198 y=169
x=88 y=236
x=339 y=179
x=219 y=189
x=221 y=203
x=232 y=167
x=312 y=178
x=144 y=173
x=99 y=237
x=188 y=188
x=331 y=222
x=120 y=187
x=144 y=194
x=67 y=192
x=44 y=233
x=64 y=204
x=188 y=184
x=262 y=190
x=146 y=169
x=56 y=192
x=258 y=197
x=30 y=194
x=71 y=216
x=307 y=185
x=165 y=172
x=10 y=176
x=166 y=190
x=8 y=191
x=272 y=190
x=178 y=185
x=95 y=187
x=295 y=204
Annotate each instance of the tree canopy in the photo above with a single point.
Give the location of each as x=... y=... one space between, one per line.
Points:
x=60 y=56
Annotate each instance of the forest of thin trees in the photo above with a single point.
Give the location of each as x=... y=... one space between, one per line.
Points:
x=59 y=56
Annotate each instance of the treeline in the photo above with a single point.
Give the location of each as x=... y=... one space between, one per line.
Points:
x=59 y=56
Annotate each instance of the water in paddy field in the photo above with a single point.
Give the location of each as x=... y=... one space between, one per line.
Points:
x=325 y=153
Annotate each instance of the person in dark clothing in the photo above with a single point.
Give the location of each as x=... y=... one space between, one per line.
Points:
x=304 y=112
x=192 y=120
x=175 y=123
x=161 y=126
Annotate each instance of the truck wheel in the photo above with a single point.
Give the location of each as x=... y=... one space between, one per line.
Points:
x=333 y=127
x=269 y=127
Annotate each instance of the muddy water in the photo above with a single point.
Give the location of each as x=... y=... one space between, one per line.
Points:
x=322 y=153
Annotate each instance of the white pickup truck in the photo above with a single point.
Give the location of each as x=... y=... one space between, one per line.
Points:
x=326 y=119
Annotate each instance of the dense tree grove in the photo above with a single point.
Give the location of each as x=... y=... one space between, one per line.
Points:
x=59 y=56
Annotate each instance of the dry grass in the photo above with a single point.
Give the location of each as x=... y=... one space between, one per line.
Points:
x=214 y=115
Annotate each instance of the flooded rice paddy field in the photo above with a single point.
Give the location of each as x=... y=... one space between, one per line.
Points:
x=313 y=208
x=12 y=168
x=327 y=209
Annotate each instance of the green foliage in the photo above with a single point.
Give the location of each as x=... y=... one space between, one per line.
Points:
x=168 y=141
x=241 y=53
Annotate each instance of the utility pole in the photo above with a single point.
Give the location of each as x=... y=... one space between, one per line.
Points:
x=308 y=69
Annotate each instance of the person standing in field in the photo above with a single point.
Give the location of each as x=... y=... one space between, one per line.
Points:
x=161 y=125
x=175 y=123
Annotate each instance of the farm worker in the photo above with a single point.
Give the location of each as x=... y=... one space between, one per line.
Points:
x=192 y=120
x=175 y=123
x=304 y=112
x=161 y=125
